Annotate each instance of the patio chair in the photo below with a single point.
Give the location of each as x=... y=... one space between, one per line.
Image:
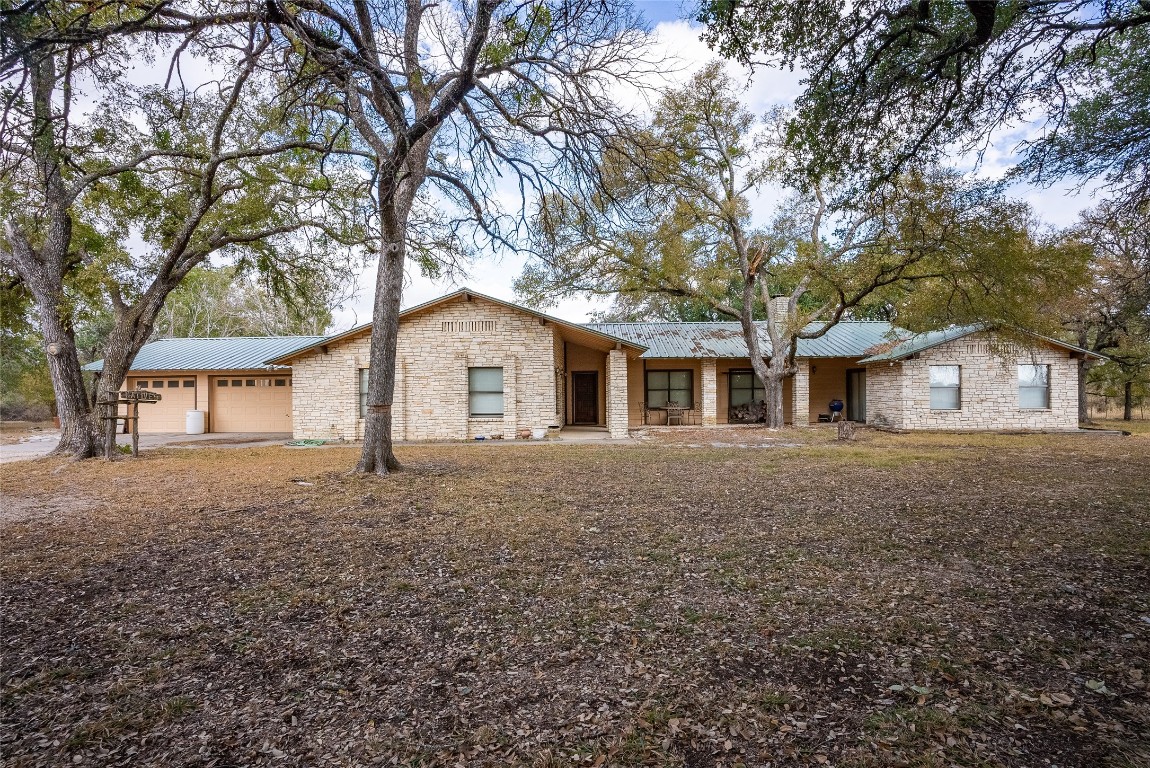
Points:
x=675 y=413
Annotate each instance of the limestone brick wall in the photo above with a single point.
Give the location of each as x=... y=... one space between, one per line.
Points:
x=710 y=398
x=989 y=387
x=560 y=361
x=617 y=394
x=435 y=350
x=801 y=394
x=885 y=401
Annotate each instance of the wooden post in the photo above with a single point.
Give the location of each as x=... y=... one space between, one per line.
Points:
x=136 y=429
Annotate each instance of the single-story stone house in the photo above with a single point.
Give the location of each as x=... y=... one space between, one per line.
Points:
x=470 y=365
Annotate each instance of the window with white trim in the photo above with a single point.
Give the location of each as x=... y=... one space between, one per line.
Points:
x=1034 y=386
x=485 y=391
x=945 y=387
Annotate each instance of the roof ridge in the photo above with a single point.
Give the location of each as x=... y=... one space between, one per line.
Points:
x=218 y=338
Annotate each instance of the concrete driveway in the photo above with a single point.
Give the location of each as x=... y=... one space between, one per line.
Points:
x=42 y=444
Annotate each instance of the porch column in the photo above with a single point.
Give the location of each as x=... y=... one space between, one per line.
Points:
x=511 y=397
x=617 y=393
x=710 y=394
x=801 y=394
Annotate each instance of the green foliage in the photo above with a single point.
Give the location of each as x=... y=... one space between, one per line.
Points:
x=891 y=84
x=25 y=391
x=934 y=249
x=226 y=301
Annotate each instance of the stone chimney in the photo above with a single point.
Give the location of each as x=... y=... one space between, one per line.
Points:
x=780 y=305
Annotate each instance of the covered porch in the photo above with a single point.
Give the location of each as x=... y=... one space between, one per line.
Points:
x=726 y=391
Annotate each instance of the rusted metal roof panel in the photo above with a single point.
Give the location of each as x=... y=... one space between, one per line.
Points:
x=231 y=353
x=850 y=338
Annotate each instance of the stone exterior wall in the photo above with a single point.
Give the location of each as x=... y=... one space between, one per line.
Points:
x=435 y=350
x=617 y=410
x=710 y=394
x=885 y=400
x=989 y=388
x=800 y=399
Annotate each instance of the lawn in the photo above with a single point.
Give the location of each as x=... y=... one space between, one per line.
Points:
x=909 y=600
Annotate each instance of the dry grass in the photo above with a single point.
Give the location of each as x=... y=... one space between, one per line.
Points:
x=924 y=600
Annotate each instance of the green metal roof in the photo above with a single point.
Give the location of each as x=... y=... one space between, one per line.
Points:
x=848 y=338
x=923 y=341
x=231 y=353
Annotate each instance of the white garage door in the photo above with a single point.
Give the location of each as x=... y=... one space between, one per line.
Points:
x=251 y=404
x=170 y=414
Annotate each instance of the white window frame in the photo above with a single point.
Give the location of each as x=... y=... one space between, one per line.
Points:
x=1045 y=389
x=472 y=391
x=956 y=389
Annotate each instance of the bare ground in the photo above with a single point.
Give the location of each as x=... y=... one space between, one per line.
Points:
x=910 y=600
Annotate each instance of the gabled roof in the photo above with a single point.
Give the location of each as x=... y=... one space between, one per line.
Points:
x=218 y=354
x=462 y=293
x=921 y=342
x=849 y=338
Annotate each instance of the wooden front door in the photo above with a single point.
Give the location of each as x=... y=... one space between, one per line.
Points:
x=584 y=397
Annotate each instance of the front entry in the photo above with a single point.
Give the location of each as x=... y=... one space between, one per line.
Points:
x=584 y=397
x=856 y=394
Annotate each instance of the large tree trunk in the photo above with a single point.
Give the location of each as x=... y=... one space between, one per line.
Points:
x=1128 y=401
x=78 y=423
x=378 y=456
x=773 y=391
x=1083 y=406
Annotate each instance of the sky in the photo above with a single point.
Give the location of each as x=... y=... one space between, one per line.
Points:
x=679 y=39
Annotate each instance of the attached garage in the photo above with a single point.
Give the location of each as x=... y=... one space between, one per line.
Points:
x=251 y=404
x=178 y=396
x=228 y=379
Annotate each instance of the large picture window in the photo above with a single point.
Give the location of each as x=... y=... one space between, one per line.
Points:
x=1034 y=386
x=670 y=387
x=485 y=391
x=746 y=388
x=945 y=387
x=363 y=392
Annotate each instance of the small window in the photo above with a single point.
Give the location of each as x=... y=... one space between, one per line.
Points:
x=190 y=383
x=363 y=392
x=174 y=384
x=157 y=385
x=945 y=387
x=250 y=382
x=281 y=382
x=670 y=387
x=1034 y=386
x=222 y=383
x=485 y=391
x=237 y=382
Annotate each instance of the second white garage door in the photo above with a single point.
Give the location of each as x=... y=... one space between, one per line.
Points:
x=251 y=404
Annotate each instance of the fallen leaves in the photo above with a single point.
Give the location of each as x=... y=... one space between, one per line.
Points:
x=904 y=600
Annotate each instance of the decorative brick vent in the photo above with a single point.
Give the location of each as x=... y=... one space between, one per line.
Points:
x=467 y=326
